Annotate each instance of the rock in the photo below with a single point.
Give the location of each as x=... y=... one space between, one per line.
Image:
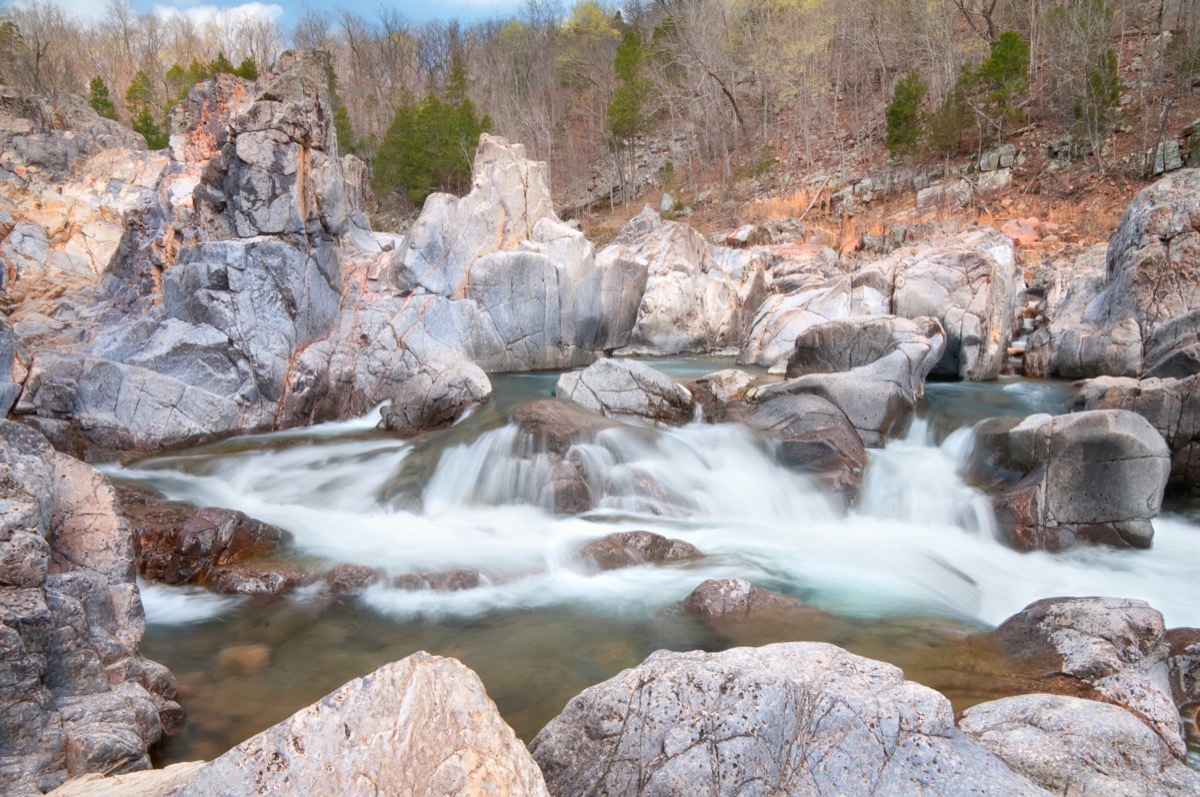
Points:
x=872 y=368
x=12 y=371
x=971 y=284
x=244 y=658
x=422 y=725
x=746 y=236
x=180 y=544
x=1184 y=666
x=150 y=783
x=815 y=437
x=697 y=298
x=1171 y=405
x=1060 y=480
x=1021 y=232
x=783 y=318
x=1114 y=645
x=629 y=548
x=715 y=392
x=432 y=399
x=795 y=718
x=77 y=696
x=446 y=581
x=1145 y=315
x=1067 y=745
x=801 y=265
x=345 y=578
x=627 y=388
x=555 y=426
x=728 y=597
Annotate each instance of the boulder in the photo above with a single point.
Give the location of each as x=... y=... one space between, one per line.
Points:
x=697 y=298
x=1183 y=663
x=1057 y=481
x=149 y=783
x=872 y=368
x=718 y=599
x=1170 y=404
x=434 y=398
x=715 y=393
x=1114 y=645
x=814 y=436
x=628 y=548
x=627 y=388
x=794 y=718
x=422 y=725
x=555 y=426
x=784 y=317
x=76 y=695
x=971 y=283
x=1067 y=745
x=1143 y=319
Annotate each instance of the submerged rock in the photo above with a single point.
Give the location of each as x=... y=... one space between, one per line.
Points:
x=627 y=388
x=1057 y=481
x=628 y=548
x=793 y=718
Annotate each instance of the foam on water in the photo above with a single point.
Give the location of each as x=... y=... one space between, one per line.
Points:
x=919 y=539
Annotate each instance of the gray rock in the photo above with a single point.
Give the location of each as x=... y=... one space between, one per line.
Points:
x=1184 y=667
x=433 y=398
x=1068 y=745
x=1115 y=645
x=1095 y=477
x=76 y=696
x=872 y=368
x=627 y=388
x=795 y=718
x=422 y=725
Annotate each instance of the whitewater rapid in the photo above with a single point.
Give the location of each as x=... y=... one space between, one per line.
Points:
x=918 y=541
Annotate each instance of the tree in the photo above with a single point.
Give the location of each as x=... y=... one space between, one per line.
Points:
x=99 y=99
x=145 y=124
x=903 y=114
x=247 y=69
x=626 y=111
x=996 y=87
x=428 y=147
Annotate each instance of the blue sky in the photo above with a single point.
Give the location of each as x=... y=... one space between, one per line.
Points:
x=286 y=11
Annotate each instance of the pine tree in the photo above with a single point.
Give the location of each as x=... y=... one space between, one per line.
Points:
x=99 y=98
x=903 y=114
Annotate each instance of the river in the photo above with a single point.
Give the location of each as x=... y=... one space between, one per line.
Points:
x=903 y=574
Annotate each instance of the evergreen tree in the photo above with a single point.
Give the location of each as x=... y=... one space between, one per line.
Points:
x=247 y=69
x=903 y=115
x=144 y=123
x=220 y=65
x=99 y=98
x=996 y=87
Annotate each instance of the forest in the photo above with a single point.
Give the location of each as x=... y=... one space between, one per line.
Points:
x=733 y=84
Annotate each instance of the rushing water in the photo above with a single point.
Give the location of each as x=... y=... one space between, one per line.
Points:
x=909 y=567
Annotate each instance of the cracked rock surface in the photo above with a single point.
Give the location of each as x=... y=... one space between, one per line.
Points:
x=627 y=388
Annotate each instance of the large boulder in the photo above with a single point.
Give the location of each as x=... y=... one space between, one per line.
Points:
x=629 y=548
x=795 y=718
x=872 y=368
x=697 y=298
x=1068 y=745
x=76 y=695
x=627 y=388
x=1170 y=404
x=1142 y=319
x=1115 y=646
x=431 y=399
x=1057 y=481
x=971 y=283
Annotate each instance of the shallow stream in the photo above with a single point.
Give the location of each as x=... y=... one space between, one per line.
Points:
x=902 y=573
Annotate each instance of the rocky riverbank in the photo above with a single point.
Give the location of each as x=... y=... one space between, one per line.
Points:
x=231 y=284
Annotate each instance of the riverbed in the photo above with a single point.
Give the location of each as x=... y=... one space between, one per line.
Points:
x=904 y=574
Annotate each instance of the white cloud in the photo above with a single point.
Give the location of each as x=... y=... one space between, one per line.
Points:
x=204 y=15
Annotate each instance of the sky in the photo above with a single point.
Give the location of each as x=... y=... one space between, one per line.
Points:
x=285 y=12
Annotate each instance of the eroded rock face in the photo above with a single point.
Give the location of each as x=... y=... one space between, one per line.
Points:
x=969 y=282
x=1115 y=645
x=1057 y=481
x=872 y=368
x=1141 y=319
x=422 y=725
x=627 y=388
x=76 y=695
x=1068 y=745
x=697 y=298
x=794 y=718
